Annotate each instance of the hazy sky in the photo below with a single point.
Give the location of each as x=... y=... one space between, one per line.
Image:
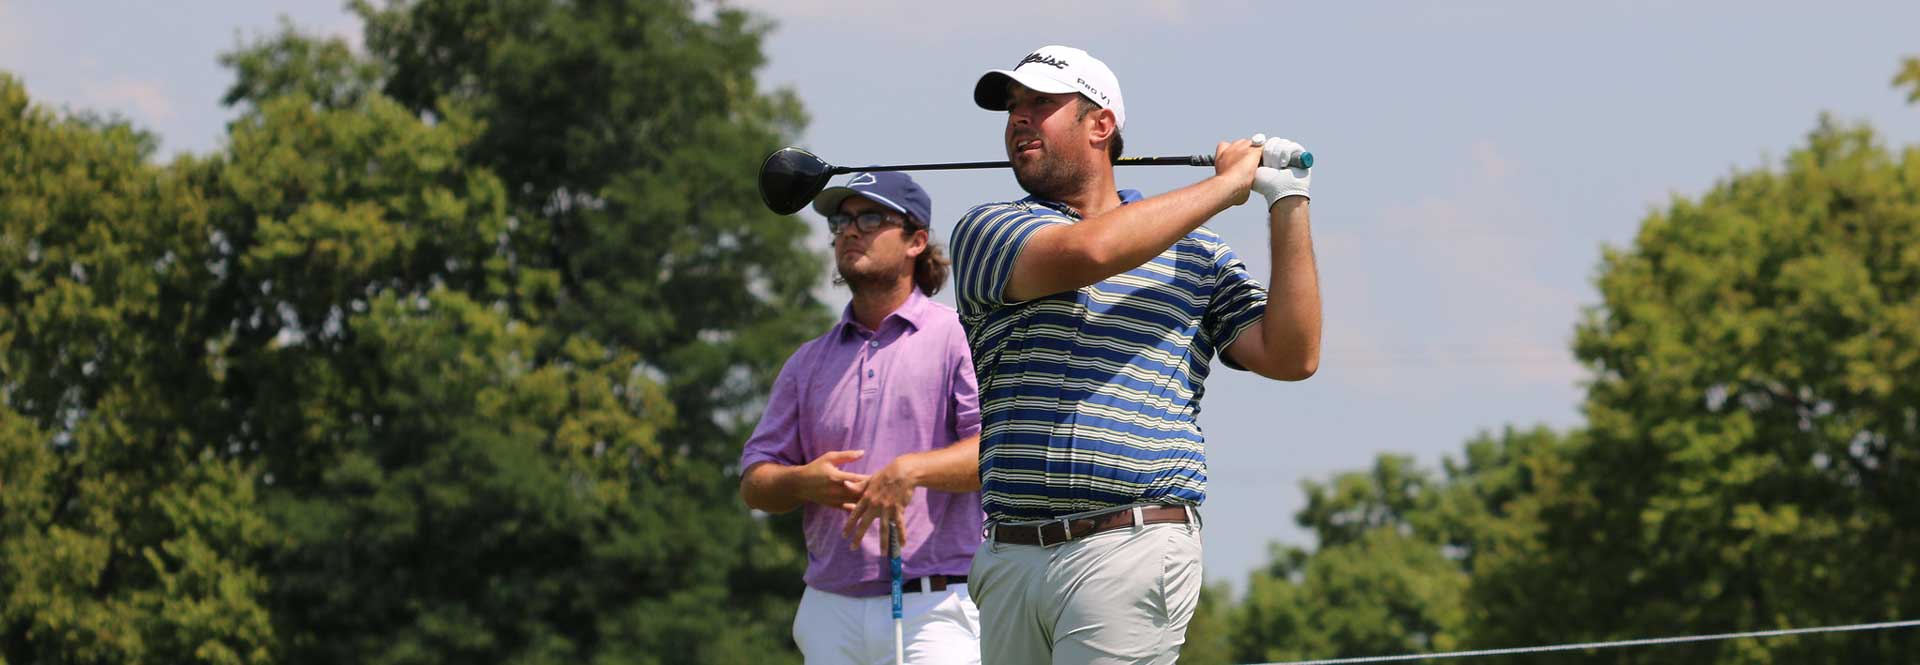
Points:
x=1473 y=158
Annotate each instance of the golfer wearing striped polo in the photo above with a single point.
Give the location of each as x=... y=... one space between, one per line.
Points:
x=1094 y=315
x=877 y=422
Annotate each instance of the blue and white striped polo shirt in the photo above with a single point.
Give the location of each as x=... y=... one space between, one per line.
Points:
x=1088 y=397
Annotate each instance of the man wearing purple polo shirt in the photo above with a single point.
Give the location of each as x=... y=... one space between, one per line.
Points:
x=877 y=421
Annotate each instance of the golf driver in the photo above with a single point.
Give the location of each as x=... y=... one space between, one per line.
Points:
x=791 y=177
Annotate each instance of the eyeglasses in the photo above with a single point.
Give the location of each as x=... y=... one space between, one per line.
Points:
x=867 y=222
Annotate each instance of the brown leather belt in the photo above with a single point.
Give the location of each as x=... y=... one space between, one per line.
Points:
x=1048 y=534
x=931 y=583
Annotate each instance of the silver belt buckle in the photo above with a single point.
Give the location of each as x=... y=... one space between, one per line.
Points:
x=1066 y=533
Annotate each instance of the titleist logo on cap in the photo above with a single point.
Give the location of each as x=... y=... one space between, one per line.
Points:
x=1042 y=59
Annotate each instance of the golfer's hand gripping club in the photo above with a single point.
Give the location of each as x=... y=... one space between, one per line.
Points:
x=1278 y=177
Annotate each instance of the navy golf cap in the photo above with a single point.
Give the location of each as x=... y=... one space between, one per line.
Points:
x=897 y=191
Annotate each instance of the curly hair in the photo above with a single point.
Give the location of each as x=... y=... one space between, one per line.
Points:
x=930 y=269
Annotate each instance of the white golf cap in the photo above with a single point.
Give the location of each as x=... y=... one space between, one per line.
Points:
x=1055 y=69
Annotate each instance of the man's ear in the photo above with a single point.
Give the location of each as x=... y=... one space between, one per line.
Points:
x=1105 y=126
x=917 y=244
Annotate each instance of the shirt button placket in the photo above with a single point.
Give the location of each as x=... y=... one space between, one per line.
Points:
x=869 y=386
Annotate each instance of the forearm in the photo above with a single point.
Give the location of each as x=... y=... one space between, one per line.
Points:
x=1125 y=237
x=768 y=486
x=1115 y=241
x=1290 y=328
x=955 y=468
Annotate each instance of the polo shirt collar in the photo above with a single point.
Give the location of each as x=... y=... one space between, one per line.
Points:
x=916 y=312
x=1126 y=196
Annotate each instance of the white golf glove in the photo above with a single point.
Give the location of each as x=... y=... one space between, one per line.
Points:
x=1273 y=179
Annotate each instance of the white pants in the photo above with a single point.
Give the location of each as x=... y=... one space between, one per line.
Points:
x=1120 y=597
x=941 y=628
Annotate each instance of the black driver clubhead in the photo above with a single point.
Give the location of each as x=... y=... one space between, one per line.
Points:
x=790 y=178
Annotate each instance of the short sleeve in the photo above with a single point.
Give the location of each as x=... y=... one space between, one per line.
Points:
x=1238 y=302
x=777 y=437
x=964 y=388
x=985 y=243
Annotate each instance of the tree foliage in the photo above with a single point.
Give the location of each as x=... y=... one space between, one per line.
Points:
x=1748 y=462
x=1753 y=423
x=126 y=529
x=1397 y=548
x=414 y=369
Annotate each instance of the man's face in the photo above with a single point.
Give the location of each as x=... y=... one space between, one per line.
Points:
x=1046 y=140
x=878 y=258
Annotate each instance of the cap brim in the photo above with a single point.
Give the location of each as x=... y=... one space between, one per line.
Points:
x=990 y=92
x=827 y=202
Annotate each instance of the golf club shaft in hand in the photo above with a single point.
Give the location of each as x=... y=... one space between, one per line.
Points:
x=791 y=177
x=1305 y=161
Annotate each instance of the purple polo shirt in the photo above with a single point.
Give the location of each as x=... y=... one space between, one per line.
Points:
x=904 y=388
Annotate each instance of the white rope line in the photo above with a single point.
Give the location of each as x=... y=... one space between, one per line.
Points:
x=1609 y=645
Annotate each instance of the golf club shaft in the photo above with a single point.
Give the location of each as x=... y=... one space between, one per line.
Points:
x=1306 y=161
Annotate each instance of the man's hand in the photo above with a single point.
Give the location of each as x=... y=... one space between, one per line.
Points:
x=1273 y=179
x=885 y=494
x=821 y=480
x=1235 y=164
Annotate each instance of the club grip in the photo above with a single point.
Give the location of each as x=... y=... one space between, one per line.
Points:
x=894 y=568
x=1303 y=161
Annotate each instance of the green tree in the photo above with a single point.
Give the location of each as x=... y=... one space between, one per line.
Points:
x=125 y=529
x=1210 y=632
x=1397 y=549
x=1753 y=425
x=563 y=191
x=405 y=374
x=629 y=134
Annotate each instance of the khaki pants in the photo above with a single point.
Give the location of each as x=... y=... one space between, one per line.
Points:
x=1124 y=596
